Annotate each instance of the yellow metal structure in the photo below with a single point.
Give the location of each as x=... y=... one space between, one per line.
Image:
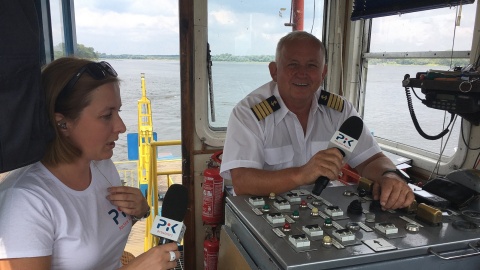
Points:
x=145 y=135
x=147 y=162
x=152 y=191
x=127 y=176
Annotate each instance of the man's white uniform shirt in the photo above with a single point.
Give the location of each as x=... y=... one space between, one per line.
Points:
x=278 y=141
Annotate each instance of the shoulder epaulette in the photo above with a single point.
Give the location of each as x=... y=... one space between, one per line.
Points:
x=331 y=100
x=265 y=108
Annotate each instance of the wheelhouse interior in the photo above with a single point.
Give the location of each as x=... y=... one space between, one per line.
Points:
x=362 y=46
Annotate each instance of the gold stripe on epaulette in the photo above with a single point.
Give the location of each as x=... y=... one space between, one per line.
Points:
x=331 y=100
x=265 y=108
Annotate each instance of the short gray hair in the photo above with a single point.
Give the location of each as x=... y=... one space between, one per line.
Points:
x=298 y=35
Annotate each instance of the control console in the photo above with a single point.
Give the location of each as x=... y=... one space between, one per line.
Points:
x=346 y=228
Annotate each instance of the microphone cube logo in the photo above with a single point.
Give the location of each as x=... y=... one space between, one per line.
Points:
x=168 y=228
x=344 y=141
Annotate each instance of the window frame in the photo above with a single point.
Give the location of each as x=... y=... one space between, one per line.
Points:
x=342 y=78
x=45 y=23
x=423 y=158
x=208 y=135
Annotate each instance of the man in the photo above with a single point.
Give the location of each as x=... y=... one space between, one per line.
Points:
x=277 y=136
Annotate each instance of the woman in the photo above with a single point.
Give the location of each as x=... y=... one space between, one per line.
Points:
x=69 y=210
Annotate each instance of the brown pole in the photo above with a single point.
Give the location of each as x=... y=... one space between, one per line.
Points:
x=187 y=90
x=298 y=14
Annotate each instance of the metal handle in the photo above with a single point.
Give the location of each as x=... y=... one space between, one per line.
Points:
x=430 y=250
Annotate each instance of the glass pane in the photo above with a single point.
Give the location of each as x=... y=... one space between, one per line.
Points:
x=386 y=109
x=243 y=36
x=137 y=36
x=387 y=114
x=57 y=29
x=432 y=30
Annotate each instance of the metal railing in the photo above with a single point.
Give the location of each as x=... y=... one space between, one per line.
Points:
x=152 y=191
x=127 y=176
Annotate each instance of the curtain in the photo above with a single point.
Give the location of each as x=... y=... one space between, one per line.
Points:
x=366 y=9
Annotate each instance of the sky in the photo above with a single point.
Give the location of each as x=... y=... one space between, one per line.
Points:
x=246 y=27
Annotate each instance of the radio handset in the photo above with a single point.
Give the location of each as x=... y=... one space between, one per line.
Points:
x=406 y=84
x=457 y=92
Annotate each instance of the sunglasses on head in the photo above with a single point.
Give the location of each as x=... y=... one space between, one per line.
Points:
x=97 y=71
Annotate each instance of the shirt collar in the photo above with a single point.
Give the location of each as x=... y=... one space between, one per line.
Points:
x=282 y=112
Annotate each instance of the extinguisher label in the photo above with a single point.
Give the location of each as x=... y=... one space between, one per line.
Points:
x=210 y=259
x=212 y=210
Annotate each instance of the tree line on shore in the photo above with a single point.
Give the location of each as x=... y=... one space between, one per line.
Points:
x=90 y=53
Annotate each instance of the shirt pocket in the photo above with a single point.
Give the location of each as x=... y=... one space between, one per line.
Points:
x=279 y=156
x=318 y=146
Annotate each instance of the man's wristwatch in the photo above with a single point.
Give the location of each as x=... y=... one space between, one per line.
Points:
x=398 y=172
x=144 y=216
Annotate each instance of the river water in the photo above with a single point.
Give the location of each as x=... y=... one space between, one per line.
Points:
x=386 y=111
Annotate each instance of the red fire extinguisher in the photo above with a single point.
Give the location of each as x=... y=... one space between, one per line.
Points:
x=212 y=213
x=210 y=252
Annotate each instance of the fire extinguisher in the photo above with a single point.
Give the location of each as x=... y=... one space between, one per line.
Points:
x=212 y=213
x=211 y=247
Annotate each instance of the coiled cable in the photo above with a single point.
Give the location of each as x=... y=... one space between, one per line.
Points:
x=414 y=118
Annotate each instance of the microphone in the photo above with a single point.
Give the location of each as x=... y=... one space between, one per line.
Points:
x=345 y=140
x=169 y=226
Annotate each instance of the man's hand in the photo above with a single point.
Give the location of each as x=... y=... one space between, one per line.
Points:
x=393 y=192
x=260 y=182
x=326 y=163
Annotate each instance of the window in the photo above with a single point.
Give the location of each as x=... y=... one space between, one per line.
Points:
x=137 y=37
x=423 y=34
x=57 y=29
x=243 y=36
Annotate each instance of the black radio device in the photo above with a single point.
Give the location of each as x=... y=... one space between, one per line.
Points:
x=453 y=91
x=455 y=103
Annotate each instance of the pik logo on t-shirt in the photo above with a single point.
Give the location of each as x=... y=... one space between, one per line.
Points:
x=116 y=215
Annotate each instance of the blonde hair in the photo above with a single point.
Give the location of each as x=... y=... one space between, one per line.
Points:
x=298 y=35
x=55 y=77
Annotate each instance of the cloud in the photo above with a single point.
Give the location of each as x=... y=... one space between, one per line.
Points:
x=247 y=27
x=128 y=27
x=223 y=17
x=151 y=27
x=145 y=7
x=432 y=31
x=254 y=27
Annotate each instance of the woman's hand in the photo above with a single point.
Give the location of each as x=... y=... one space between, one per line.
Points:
x=156 y=258
x=130 y=200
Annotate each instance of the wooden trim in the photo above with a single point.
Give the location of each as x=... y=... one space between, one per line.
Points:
x=186 y=23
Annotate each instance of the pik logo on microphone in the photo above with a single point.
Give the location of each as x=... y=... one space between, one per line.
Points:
x=168 y=228
x=344 y=141
x=341 y=138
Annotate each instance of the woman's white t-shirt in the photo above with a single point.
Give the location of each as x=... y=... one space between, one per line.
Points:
x=40 y=216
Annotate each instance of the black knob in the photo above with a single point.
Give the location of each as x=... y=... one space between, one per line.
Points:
x=375 y=206
x=355 y=207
